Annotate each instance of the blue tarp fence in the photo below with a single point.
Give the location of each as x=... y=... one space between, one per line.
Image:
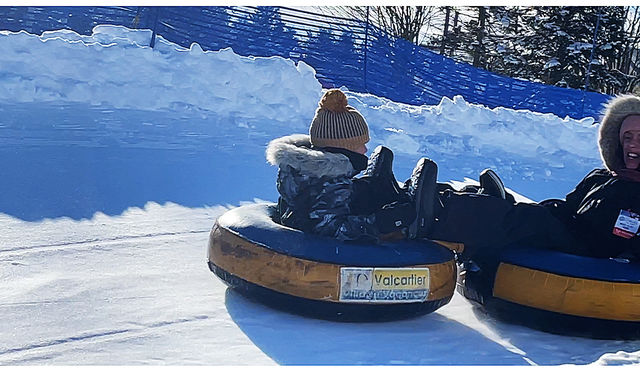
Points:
x=344 y=52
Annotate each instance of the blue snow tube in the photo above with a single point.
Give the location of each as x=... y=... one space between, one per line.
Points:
x=557 y=292
x=326 y=278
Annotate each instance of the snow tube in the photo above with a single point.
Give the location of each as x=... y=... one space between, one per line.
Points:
x=325 y=278
x=558 y=292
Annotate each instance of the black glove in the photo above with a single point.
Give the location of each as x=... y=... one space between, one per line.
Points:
x=395 y=216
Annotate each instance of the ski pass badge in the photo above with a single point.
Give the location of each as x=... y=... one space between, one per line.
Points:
x=627 y=224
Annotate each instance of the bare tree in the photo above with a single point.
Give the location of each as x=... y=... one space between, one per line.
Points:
x=629 y=62
x=479 y=51
x=445 y=31
x=407 y=22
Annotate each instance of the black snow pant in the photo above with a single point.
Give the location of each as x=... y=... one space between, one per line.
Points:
x=488 y=224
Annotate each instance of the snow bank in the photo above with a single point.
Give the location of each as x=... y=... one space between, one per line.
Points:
x=457 y=126
x=114 y=67
x=619 y=358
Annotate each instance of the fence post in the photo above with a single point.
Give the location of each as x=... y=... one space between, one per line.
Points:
x=366 y=46
x=136 y=19
x=155 y=26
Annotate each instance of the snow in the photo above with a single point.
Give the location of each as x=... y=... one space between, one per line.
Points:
x=579 y=46
x=553 y=62
x=118 y=158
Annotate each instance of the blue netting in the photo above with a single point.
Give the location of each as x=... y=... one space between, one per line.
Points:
x=344 y=52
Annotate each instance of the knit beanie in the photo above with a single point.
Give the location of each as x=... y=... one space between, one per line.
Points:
x=337 y=124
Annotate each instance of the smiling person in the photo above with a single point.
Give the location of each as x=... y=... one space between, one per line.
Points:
x=630 y=140
x=603 y=211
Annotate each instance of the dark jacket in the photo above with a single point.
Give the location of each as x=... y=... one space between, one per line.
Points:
x=317 y=190
x=591 y=210
x=582 y=224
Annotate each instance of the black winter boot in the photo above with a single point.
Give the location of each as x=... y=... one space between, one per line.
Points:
x=380 y=172
x=491 y=184
x=380 y=162
x=421 y=187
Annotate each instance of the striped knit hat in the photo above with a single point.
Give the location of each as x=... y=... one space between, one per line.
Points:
x=337 y=124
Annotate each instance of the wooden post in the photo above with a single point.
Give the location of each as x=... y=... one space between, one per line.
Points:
x=155 y=26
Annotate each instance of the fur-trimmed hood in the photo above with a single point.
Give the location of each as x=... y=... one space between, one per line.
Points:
x=296 y=151
x=617 y=110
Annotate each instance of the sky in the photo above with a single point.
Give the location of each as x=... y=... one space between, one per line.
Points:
x=118 y=158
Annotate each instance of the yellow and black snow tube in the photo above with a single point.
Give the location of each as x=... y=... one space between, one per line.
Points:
x=558 y=292
x=323 y=277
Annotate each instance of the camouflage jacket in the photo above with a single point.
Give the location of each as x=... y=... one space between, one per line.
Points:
x=317 y=191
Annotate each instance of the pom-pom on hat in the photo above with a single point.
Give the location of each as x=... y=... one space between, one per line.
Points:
x=337 y=124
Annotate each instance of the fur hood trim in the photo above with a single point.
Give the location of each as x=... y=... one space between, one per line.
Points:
x=617 y=109
x=295 y=151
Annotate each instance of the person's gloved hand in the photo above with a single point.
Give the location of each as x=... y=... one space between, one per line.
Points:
x=395 y=216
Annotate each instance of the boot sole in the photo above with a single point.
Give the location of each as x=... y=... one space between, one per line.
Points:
x=416 y=228
x=496 y=179
x=426 y=211
x=417 y=199
x=378 y=152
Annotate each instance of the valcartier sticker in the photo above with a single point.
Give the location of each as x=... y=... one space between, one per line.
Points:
x=627 y=224
x=383 y=284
